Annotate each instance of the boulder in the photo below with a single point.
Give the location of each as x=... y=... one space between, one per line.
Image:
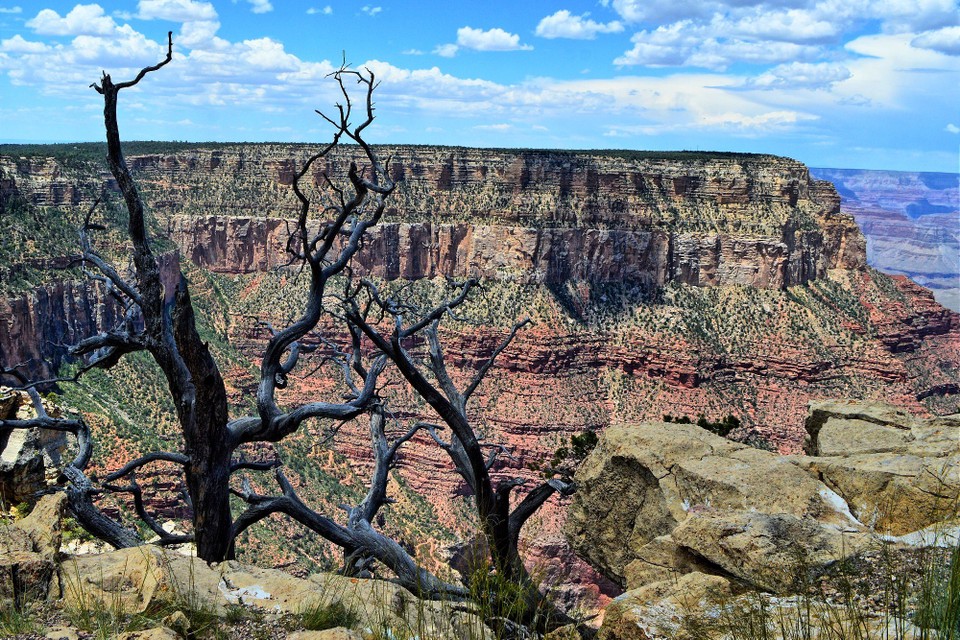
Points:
x=658 y=610
x=338 y=633
x=156 y=633
x=30 y=459
x=898 y=473
x=663 y=559
x=566 y=632
x=62 y=633
x=44 y=525
x=774 y=552
x=641 y=481
x=28 y=549
x=148 y=578
x=25 y=575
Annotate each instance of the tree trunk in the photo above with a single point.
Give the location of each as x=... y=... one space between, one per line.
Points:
x=203 y=418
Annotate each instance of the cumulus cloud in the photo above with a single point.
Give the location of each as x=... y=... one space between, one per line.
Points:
x=715 y=34
x=952 y=128
x=945 y=40
x=563 y=24
x=175 y=10
x=446 y=50
x=495 y=39
x=371 y=11
x=11 y=10
x=260 y=6
x=17 y=44
x=792 y=25
x=327 y=10
x=686 y=44
x=83 y=19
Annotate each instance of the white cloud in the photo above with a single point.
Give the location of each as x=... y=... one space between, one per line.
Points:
x=500 y=128
x=371 y=11
x=712 y=46
x=800 y=75
x=890 y=71
x=17 y=44
x=946 y=40
x=200 y=34
x=762 y=122
x=176 y=10
x=901 y=16
x=634 y=11
x=327 y=10
x=793 y=25
x=563 y=24
x=952 y=128
x=11 y=10
x=446 y=50
x=260 y=6
x=83 y=19
x=491 y=40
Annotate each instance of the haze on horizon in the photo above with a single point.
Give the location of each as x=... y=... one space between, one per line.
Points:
x=868 y=84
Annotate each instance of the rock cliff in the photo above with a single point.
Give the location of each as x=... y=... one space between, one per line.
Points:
x=710 y=219
x=911 y=222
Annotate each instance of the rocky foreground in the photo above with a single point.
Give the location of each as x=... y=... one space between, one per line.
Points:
x=699 y=530
x=686 y=520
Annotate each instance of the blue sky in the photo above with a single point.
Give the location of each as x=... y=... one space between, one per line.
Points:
x=834 y=83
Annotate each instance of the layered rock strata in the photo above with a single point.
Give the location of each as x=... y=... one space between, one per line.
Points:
x=911 y=222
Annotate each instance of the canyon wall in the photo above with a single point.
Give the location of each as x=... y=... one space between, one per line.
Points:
x=911 y=221
x=534 y=216
x=701 y=219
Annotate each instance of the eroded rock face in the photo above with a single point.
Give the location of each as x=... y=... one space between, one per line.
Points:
x=899 y=473
x=38 y=326
x=28 y=551
x=30 y=459
x=657 y=610
x=770 y=521
x=642 y=481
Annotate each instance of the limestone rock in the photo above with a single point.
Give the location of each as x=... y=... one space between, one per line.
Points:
x=147 y=577
x=566 y=632
x=30 y=459
x=663 y=559
x=641 y=481
x=883 y=422
x=897 y=472
x=774 y=552
x=657 y=610
x=44 y=524
x=61 y=633
x=156 y=633
x=338 y=633
x=25 y=575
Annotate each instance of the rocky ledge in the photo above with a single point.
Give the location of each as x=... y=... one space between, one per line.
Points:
x=695 y=513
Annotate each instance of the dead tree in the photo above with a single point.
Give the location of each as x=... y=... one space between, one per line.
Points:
x=500 y=516
x=161 y=322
